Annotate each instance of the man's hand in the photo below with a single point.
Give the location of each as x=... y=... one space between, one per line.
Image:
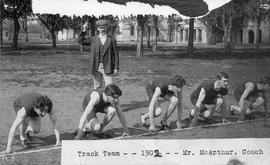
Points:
x=85 y=26
x=115 y=72
x=179 y=125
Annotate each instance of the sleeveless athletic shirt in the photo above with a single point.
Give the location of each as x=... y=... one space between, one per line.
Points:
x=27 y=101
x=210 y=93
x=101 y=104
x=242 y=87
x=162 y=83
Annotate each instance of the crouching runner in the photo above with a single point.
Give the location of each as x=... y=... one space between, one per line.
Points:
x=30 y=108
x=250 y=96
x=100 y=101
x=165 y=88
x=210 y=92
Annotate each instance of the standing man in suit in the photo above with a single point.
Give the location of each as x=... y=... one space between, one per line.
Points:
x=103 y=53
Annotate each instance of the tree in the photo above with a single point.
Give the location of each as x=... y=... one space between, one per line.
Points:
x=171 y=22
x=141 y=22
x=155 y=32
x=190 y=36
x=15 y=9
x=225 y=18
x=254 y=10
x=209 y=22
x=53 y=23
x=1 y=23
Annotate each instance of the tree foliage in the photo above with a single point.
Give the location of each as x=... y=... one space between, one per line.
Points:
x=15 y=9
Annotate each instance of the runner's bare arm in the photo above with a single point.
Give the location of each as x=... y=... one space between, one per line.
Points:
x=197 y=107
x=56 y=132
x=90 y=106
x=122 y=120
x=21 y=114
x=265 y=105
x=249 y=88
x=180 y=109
x=151 y=108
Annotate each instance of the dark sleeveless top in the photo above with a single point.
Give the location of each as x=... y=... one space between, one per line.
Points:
x=210 y=92
x=101 y=104
x=162 y=83
x=27 y=101
x=240 y=88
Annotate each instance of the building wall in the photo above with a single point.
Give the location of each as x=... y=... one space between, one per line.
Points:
x=247 y=35
x=65 y=34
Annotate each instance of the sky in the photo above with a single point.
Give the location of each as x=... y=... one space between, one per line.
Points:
x=80 y=7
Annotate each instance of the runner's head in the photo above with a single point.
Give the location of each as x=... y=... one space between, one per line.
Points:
x=264 y=83
x=39 y=104
x=48 y=104
x=113 y=92
x=176 y=83
x=223 y=79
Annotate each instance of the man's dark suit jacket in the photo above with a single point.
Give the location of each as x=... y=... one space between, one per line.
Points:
x=110 y=56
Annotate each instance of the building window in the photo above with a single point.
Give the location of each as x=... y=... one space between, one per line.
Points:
x=6 y=34
x=260 y=36
x=200 y=35
x=181 y=35
x=132 y=30
x=194 y=35
x=241 y=36
x=186 y=36
x=251 y=37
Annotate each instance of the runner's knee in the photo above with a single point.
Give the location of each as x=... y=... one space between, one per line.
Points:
x=219 y=101
x=174 y=101
x=157 y=111
x=260 y=100
x=111 y=111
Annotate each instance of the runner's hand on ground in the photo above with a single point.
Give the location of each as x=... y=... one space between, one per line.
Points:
x=58 y=143
x=225 y=121
x=152 y=129
x=125 y=134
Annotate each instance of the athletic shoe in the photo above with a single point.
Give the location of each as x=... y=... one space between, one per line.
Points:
x=28 y=136
x=24 y=144
x=143 y=122
x=163 y=126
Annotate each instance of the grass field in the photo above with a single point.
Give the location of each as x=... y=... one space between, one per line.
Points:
x=63 y=75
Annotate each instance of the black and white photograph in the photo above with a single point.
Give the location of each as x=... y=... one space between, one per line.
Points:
x=135 y=82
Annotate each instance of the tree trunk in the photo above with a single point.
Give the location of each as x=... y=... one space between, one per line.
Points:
x=155 y=30
x=53 y=38
x=140 y=35
x=43 y=32
x=257 y=41
x=81 y=46
x=175 y=33
x=210 y=36
x=1 y=26
x=228 y=45
x=16 y=33
x=93 y=26
x=190 y=37
x=25 y=28
x=148 y=36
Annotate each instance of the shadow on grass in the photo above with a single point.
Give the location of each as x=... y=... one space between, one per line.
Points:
x=133 y=105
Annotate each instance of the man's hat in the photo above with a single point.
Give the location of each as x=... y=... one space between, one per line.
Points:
x=102 y=23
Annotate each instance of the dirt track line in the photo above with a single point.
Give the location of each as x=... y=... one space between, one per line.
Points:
x=191 y=128
x=31 y=151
